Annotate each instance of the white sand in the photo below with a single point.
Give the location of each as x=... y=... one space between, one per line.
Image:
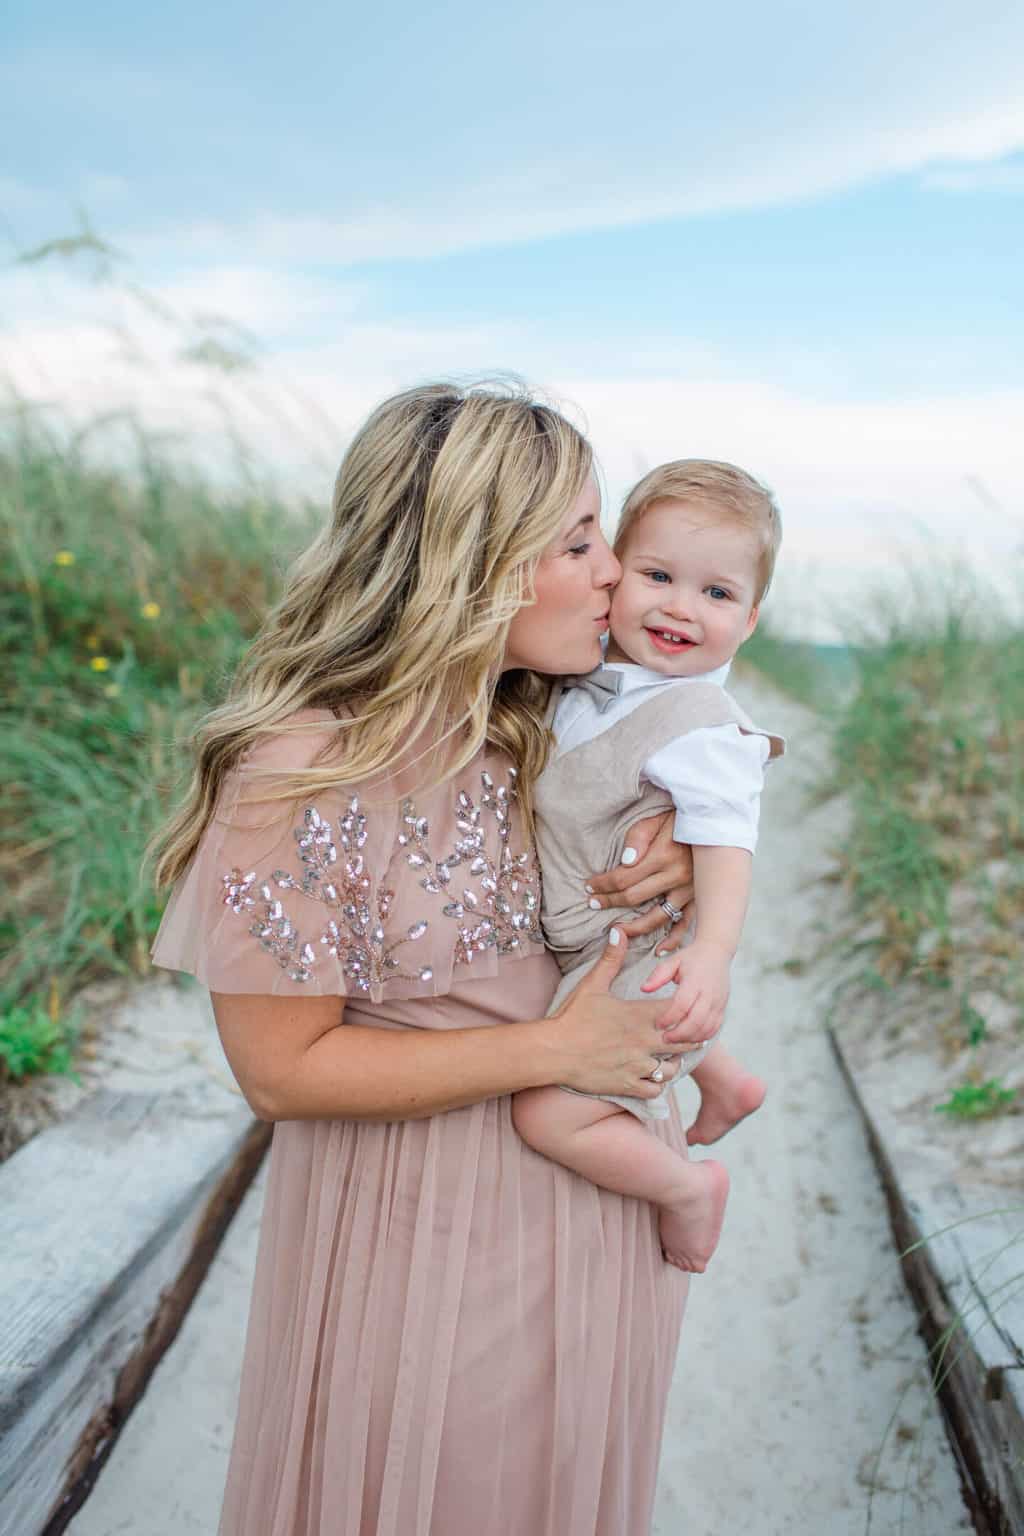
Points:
x=800 y=1362
x=800 y=1339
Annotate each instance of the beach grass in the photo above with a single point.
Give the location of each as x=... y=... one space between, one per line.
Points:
x=929 y=753
x=126 y=599
x=129 y=591
x=815 y=674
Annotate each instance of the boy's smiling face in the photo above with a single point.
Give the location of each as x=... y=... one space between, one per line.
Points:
x=685 y=603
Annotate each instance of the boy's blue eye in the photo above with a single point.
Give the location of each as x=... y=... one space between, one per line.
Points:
x=658 y=575
x=717 y=592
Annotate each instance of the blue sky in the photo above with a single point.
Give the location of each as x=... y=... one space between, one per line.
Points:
x=786 y=235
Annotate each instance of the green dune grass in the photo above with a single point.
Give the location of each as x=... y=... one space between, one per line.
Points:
x=929 y=751
x=127 y=596
x=126 y=599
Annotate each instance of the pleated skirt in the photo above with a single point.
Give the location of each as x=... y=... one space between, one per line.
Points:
x=450 y=1335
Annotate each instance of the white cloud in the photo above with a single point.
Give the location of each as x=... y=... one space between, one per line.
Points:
x=625 y=120
x=267 y=302
x=998 y=176
x=691 y=176
x=854 y=479
x=467 y=127
x=866 y=488
x=91 y=352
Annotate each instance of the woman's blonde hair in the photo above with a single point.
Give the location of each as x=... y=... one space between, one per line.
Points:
x=721 y=488
x=398 y=612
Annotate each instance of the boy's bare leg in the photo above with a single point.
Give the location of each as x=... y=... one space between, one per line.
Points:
x=610 y=1147
x=728 y=1094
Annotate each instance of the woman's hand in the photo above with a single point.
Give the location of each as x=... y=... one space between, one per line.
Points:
x=612 y=1046
x=654 y=868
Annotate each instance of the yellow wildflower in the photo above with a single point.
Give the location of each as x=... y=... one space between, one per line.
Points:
x=100 y=664
x=64 y=557
x=150 y=610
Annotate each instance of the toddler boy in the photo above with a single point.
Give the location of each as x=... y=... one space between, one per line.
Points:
x=653 y=727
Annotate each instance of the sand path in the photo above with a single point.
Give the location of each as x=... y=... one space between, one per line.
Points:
x=800 y=1363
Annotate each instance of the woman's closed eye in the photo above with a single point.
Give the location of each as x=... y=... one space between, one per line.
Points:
x=579 y=549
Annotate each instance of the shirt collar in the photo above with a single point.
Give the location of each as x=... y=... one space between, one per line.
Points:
x=640 y=677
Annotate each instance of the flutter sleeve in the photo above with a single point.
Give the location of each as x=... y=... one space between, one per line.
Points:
x=293 y=897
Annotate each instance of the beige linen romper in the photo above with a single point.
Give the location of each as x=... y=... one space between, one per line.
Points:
x=586 y=800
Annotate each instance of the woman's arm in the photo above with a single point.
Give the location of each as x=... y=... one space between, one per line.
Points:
x=293 y=1062
x=659 y=867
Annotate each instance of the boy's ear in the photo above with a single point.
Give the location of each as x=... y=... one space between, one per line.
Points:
x=755 y=614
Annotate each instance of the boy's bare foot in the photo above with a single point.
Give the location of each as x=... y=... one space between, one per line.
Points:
x=724 y=1108
x=691 y=1226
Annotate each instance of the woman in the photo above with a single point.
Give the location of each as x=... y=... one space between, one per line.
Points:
x=448 y=1333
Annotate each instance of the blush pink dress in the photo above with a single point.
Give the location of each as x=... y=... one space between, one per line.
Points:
x=449 y=1335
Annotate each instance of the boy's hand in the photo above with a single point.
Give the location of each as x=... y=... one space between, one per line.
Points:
x=702 y=975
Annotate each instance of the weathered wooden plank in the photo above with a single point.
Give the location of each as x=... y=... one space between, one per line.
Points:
x=963 y=1261
x=107 y=1224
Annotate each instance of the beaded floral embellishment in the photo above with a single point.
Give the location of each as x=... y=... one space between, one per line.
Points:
x=359 y=939
x=505 y=910
x=501 y=914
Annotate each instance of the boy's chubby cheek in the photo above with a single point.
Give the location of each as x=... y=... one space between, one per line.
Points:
x=615 y=610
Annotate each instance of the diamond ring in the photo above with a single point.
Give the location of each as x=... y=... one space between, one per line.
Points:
x=675 y=913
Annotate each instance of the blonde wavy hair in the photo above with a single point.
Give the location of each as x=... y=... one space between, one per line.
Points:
x=398 y=611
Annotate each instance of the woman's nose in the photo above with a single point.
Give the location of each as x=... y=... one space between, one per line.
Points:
x=609 y=571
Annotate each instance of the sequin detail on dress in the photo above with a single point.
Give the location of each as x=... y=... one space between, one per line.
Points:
x=504 y=911
x=358 y=936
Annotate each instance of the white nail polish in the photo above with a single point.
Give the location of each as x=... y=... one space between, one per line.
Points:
x=613 y=936
x=589 y=890
x=628 y=856
x=594 y=904
x=659 y=954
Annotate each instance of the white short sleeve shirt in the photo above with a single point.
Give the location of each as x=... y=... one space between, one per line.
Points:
x=714 y=774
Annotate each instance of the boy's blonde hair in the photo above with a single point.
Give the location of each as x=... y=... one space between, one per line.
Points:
x=725 y=490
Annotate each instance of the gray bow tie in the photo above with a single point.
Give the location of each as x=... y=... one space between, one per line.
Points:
x=603 y=685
